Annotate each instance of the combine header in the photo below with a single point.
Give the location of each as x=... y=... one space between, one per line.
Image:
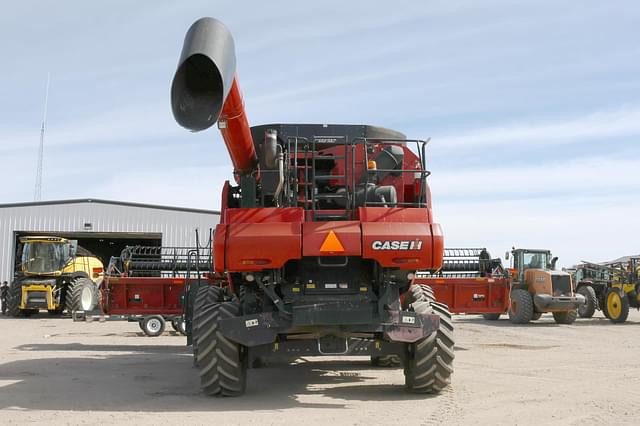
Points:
x=319 y=240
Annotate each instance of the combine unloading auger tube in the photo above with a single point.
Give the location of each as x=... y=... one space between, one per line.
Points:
x=205 y=91
x=318 y=243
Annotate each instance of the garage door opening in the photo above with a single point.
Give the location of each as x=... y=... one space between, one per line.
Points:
x=103 y=245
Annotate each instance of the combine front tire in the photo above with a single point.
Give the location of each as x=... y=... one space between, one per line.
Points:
x=567 y=317
x=81 y=295
x=429 y=361
x=616 y=305
x=589 y=308
x=13 y=301
x=521 y=309
x=222 y=364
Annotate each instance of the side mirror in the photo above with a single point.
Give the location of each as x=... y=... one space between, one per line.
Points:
x=506 y=255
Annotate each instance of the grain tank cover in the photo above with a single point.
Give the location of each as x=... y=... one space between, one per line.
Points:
x=204 y=76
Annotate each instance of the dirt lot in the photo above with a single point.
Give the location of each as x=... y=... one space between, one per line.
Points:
x=62 y=372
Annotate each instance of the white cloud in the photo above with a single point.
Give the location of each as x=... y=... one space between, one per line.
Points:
x=601 y=125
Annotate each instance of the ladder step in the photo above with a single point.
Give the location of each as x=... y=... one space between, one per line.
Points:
x=330 y=177
x=331 y=196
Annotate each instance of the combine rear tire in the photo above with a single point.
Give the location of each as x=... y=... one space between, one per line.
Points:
x=616 y=305
x=491 y=317
x=153 y=325
x=567 y=317
x=589 y=308
x=429 y=361
x=222 y=364
x=81 y=295
x=521 y=309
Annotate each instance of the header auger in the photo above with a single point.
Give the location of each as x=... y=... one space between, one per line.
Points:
x=320 y=240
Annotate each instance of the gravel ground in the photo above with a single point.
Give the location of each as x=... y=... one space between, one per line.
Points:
x=60 y=372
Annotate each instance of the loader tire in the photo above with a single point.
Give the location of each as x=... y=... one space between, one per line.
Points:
x=81 y=295
x=220 y=361
x=491 y=317
x=429 y=362
x=521 y=308
x=616 y=305
x=13 y=300
x=589 y=308
x=567 y=317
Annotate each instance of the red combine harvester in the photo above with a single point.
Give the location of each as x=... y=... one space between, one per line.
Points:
x=319 y=240
x=470 y=282
x=146 y=284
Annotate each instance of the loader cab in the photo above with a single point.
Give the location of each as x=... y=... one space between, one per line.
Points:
x=525 y=259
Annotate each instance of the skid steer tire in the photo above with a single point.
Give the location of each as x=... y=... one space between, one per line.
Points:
x=220 y=361
x=491 y=317
x=153 y=325
x=568 y=317
x=429 y=362
x=589 y=308
x=81 y=295
x=521 y=308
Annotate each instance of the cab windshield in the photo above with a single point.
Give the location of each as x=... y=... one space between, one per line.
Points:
x=535 y=260
x=40 y=257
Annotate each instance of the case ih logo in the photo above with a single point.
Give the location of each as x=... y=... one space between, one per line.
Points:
x=397 y=245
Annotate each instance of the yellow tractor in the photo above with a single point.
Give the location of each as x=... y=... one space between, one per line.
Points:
x=536 y=288
x=54 y=274
x=624 y=291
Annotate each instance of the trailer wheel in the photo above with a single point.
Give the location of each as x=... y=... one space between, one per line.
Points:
x=589 y=308
x=567 y=317
x=153 y=325
x=616 y=305
x=536 y=316
x=81 y=295
x=222 y=362
x=521 y=308
x=429 y=362
x=491 y=317
x=179 y=325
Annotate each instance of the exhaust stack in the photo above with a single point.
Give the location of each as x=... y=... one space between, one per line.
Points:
x=205 y=91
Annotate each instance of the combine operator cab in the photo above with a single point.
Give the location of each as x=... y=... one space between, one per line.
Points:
x=320 y=237
x=536 y=288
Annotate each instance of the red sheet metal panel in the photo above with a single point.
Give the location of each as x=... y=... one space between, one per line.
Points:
x=470 y=295
x=318 y=240
x=142 y=296
x=262 y=238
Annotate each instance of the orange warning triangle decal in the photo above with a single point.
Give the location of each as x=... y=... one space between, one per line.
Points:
x=331 y=243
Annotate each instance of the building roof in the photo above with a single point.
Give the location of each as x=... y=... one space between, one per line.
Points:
x=116 y=203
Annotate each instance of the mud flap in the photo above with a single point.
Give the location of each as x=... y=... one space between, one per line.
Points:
x=410 y=327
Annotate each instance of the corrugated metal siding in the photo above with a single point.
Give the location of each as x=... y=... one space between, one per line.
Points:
x=177 y=227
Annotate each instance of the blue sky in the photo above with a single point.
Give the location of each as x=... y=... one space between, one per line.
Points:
x=533 y=107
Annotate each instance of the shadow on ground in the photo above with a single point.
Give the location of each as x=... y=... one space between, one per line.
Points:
x=545 y=321
x=162 y=378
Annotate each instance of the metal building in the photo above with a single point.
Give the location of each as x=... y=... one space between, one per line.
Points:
x=103 y=227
